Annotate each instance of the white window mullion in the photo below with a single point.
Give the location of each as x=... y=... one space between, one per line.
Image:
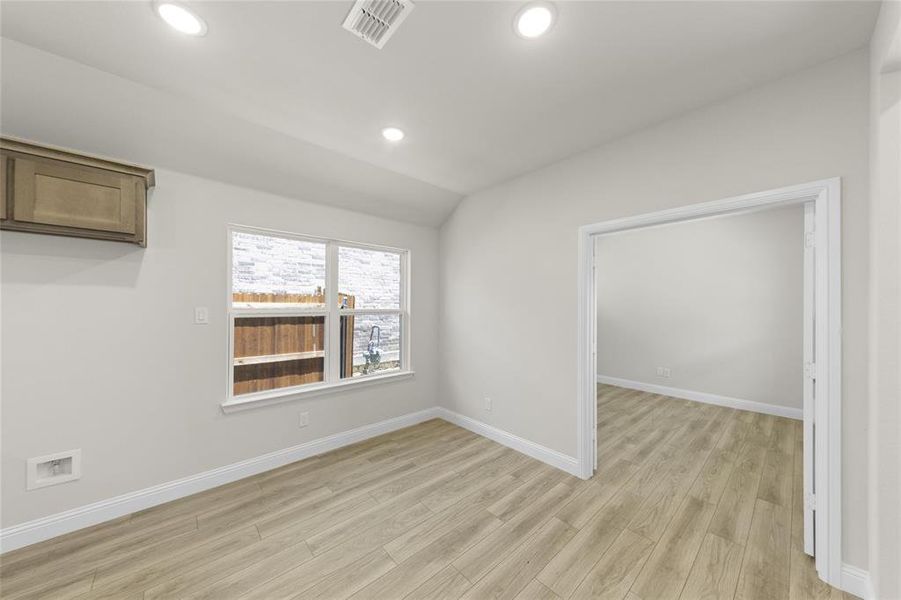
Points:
x=405 y=356
x=248 y=313
x=404 y=341
x=371 y=311
x=333 y=320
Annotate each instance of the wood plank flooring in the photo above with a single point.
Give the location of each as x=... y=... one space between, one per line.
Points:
x=691 y=502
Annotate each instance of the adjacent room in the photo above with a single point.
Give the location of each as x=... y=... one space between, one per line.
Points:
x=710 y=306
x=414 y=299
x=701 y=354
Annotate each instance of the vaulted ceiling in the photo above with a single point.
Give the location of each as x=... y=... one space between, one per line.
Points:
x=279 y=97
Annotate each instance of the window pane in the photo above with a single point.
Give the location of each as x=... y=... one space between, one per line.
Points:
x=369 y=343
x=269 y=271
x=277 y=352
x=368 y=278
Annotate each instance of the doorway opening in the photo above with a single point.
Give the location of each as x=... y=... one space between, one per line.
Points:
x=821 y=408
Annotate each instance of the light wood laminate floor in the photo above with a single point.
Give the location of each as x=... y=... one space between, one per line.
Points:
x=691 y=501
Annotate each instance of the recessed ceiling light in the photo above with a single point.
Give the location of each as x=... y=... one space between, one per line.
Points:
x=180 y=18
x=534 y=19
x=392 y=134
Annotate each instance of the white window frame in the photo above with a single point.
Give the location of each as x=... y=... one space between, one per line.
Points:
x=332 y=314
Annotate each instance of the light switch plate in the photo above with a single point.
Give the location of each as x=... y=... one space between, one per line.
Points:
x=201 y=315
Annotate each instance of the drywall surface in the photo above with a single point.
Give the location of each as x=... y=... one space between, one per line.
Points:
x=718 y=302
x=141 y=123
x=509 y=254
x=100 y=352
x=885 y=303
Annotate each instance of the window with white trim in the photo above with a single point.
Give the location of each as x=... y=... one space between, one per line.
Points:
x=307 y=313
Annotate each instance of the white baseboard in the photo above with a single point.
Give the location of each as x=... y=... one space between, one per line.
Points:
x=750 y=405
x=564 y=462
x=45 y=528
x=52 y=526
x=856 y=581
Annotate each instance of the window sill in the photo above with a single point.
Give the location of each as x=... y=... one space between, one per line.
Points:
x=258 y=399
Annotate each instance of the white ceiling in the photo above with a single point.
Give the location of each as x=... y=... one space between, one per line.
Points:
x=283 y=84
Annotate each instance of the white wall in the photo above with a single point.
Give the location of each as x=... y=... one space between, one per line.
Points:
x=509 y=253
x=885 y=307
x=99 y=349
x=717 y=301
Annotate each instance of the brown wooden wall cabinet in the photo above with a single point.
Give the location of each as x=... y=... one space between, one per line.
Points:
x=53 y=191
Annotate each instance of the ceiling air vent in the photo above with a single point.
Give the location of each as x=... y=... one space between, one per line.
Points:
x=376 y=20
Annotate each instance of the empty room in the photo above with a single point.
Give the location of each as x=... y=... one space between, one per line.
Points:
x=694 y=320
x=415 y=299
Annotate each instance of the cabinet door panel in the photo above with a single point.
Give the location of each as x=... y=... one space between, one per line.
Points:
x=52 y=193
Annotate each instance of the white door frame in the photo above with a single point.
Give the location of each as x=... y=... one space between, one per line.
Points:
x=826 y=198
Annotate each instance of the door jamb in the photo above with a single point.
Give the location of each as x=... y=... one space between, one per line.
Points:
x=826 y=197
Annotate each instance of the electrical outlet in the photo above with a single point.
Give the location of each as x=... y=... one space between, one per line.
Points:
x=663 y=372
x=201 y=315
x=304 y=419
x=487 y=403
